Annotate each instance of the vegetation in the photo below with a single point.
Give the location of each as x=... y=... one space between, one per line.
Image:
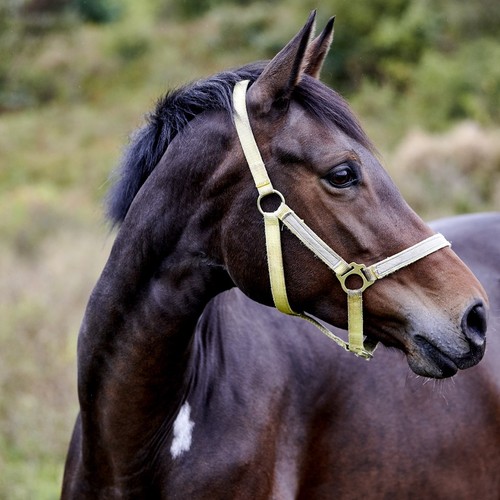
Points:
x=76 y=76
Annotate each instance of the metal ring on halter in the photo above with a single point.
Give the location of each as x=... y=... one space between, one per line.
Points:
x=262 y=196
x=356 y=270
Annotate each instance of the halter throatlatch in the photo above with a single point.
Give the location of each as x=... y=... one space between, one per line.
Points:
x=343 y=270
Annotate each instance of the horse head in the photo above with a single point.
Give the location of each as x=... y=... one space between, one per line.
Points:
x=319 y=159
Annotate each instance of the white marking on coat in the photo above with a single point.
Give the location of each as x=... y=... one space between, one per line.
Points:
x=183 y=431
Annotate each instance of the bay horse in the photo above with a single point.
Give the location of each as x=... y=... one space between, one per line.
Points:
x=184 y=391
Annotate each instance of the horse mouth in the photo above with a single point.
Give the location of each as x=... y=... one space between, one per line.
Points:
x=430 y=361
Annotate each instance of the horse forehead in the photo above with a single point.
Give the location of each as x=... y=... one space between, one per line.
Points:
x=305 y=136
x=299 y=120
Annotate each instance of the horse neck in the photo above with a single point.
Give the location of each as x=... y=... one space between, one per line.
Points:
x=135 y=341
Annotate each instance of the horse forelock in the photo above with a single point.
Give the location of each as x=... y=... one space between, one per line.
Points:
x=178 y=107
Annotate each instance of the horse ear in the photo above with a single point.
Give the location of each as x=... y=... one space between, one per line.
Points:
x=318 y=50
x=283 y=72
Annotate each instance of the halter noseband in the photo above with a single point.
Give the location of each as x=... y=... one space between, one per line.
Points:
x=368 y=275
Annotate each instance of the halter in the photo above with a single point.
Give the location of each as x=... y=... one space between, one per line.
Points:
x=343 y=270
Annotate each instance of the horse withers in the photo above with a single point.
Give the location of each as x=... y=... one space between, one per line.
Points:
x=154 y=369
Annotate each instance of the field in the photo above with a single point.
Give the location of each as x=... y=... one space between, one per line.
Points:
x=73 y=85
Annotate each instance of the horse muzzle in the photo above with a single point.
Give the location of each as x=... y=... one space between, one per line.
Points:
x=431 y=356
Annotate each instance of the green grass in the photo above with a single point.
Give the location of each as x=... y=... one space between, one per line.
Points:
x=43 y=294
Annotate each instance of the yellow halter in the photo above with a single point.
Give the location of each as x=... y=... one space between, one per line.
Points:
x=368 y=275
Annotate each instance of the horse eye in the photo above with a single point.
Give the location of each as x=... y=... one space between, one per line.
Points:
x=342 y=176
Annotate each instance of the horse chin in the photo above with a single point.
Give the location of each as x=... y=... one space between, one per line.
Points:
x=430 y=358
x=429 y=361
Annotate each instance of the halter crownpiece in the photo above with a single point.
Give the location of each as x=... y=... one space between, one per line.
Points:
x=343 y=270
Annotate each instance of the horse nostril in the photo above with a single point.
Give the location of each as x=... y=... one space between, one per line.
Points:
x=474 y=324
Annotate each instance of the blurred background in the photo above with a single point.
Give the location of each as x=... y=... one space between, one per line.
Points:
x=77 y=76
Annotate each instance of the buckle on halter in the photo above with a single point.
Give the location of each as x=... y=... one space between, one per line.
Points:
x=360 y=271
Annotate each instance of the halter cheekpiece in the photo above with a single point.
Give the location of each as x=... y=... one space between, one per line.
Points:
x=343 y=270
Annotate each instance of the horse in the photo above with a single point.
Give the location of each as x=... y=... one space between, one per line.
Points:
x=181 y=394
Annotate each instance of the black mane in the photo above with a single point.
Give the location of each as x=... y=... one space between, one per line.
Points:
x=174 y=110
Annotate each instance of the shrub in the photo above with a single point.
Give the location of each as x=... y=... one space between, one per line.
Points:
x=99 y=11
x=455 y=172
x=463 y=85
